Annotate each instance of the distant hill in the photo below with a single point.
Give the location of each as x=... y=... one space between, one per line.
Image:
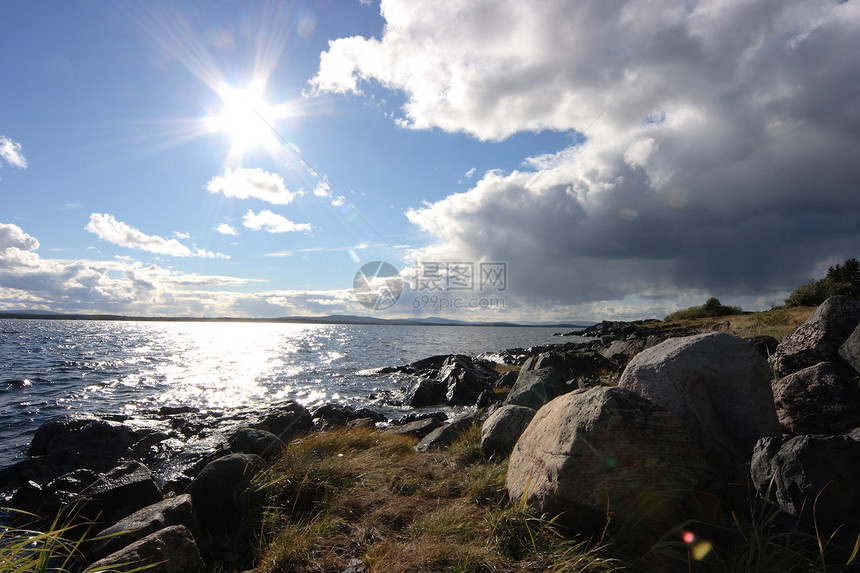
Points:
x=331 y=319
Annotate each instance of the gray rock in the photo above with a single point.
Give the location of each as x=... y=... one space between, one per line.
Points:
x=444 y=435
x=622 y=351
x=534 y=388
x=717 y=386
x=254 y=441
x=169 y=550
x=172 y=511
x=603 y=449
x=850 y=350
x=763 y=344
x=418 y=428
x=816 y=400
x=503 y=428
x=819 y=338
x=811 y=477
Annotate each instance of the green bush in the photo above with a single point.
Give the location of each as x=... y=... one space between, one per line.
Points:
x=711 y=309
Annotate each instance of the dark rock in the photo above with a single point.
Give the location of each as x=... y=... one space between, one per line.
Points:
x=465 y=380
x=817 y=400
x=120 y=492
x=819 y=338
x=172 y=410
x=286 y=420
x=717 y=386
x=172 y=511
x=534 y=388
x=813 y=478
x=76 y=441
x=329 y=416
x=599 y=452
x=425 y=392
x=503 y=428
x=169 y=550
x=223 y=492
x=254 y=441
x=763 y=344
x=47 y=499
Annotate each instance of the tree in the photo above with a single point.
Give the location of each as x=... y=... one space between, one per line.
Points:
x=841 y=279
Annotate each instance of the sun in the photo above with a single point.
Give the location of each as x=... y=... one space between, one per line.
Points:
x=246 y=118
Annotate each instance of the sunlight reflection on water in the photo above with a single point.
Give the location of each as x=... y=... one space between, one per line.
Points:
x=221 y=365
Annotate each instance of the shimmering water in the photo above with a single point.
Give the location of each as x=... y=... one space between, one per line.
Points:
x=50 y=367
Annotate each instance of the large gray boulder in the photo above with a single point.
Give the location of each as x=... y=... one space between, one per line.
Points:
x=168 y=550
x=811 y=477
x=534 y=388
x=603 y=449
x=819 y=338
x=503 y=428
x=717 y=386
x=817 y=400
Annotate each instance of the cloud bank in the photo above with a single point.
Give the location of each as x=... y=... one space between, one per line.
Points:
x=129 y=287
x=719 y=148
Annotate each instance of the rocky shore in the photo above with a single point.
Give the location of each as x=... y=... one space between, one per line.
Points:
x=630 y=422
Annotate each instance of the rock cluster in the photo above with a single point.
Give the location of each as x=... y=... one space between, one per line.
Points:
x=702 y=412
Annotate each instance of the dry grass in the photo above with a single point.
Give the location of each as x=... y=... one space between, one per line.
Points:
x=365 y=494
x=778 y=322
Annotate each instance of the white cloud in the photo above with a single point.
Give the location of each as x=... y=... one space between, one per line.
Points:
x=245 y=183
x=225 y=229
x=272 y=222
x=107 y=228
x=13 y=237
x=10 y=152
x=180 y=235
x=721 y=139
x=470 y=172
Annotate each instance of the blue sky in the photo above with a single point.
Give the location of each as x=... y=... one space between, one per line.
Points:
x=620 y=160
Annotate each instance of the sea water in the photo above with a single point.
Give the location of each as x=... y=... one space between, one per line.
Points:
x=53 y=367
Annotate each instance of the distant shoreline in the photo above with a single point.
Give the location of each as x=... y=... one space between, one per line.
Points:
x=334 y=319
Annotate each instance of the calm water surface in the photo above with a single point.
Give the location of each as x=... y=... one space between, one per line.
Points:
x=51 y=367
